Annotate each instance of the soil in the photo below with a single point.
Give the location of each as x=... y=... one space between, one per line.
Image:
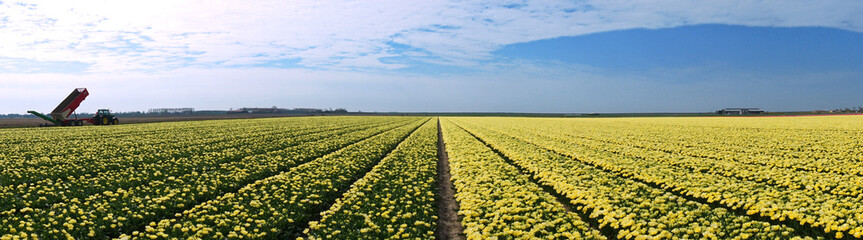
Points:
x=448 y=224
x=20 y=122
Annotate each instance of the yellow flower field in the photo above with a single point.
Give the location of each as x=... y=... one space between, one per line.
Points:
x=694 y=178
x=377 y=178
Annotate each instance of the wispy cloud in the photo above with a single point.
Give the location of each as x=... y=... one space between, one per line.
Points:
x=112 y=36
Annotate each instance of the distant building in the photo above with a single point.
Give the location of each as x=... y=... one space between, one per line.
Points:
x=170 y=110
x=273 y=109
x=307 y=110
x=740 y=111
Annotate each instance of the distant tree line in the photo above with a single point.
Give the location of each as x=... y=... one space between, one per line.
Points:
x=848 y=110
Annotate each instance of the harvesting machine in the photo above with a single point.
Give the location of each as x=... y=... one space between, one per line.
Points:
x=60 y=115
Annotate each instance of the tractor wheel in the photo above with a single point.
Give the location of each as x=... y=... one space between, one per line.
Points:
x=105 y=121
x=116 y=121
x=97 y=121
x=79 y=123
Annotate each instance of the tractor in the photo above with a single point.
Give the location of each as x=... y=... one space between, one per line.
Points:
x=104 y=117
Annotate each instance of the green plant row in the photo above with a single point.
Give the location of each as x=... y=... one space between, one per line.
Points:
x=277 y=207
x=395 y=200
x=497 y=201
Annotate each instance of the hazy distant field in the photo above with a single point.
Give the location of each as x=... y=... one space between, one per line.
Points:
x=386 y=177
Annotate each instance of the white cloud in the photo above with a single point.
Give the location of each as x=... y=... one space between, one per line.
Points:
x=158 y=35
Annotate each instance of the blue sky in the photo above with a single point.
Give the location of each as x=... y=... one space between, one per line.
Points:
x=486 y=56
x=741 y=48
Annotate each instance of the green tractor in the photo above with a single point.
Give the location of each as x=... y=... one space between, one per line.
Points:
x=104 y=117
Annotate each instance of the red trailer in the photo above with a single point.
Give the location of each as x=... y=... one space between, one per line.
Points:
x=60 y=115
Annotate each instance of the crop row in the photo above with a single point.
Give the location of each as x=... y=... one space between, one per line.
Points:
x=396 y=199
x=44 y=193
x=277 y=207
x=122 y=211
x=812 y=183
x=629 y=208
x=88 y=158
x=804 y=208
x=497 y=201
x=49 y=146
x=813 y=148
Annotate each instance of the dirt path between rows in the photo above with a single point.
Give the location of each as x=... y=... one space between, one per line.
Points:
x=448 y=224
